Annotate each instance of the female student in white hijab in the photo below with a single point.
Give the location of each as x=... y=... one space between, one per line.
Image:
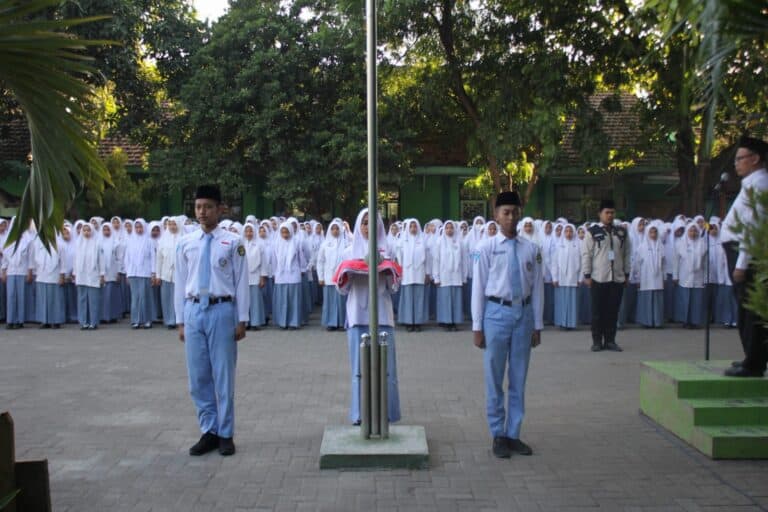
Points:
x=112 y=254
x=287 y=305
x=49 y=283
x=67 y=254
x=726 y=307
x=328 y=258
x=449 y=274
x=675 y=236
x=165 y=263
x=649 y=261
x=268 y=241
x=125 y=285
x=413 y=254
x=690 y=277
x=88 y=272
x=17 y=272
x=140 y=270
x=357 y=291
x=256 y=258
x=566 y=271
x=155 y=232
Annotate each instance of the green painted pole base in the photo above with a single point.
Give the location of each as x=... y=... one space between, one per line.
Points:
x=723 y=417
x=344 y=448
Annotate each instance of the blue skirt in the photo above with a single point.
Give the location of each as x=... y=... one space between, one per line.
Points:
x=112 y=302
x=690 y=306
x=670 y=295
x=141 y=300
x=549 y=304
x=334 y=307
x=70 y=299
x=450 y=304
x=585 y=305
x=567 y=306
x=287 y=306
x=88 y=305
x=16 y=304
x=412 y=309
x=50 y=303
x=256 y=314
x=354 y=335
x=727 y=309
x=628 y=305
x=266 y=294
x=396 y=300
x=167 y=290
x=30 y=313
x=650 y=308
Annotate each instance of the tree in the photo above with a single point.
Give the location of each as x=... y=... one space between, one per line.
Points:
x=278 y=97
x=124 y=197
x=513 y=70
x=42 y=67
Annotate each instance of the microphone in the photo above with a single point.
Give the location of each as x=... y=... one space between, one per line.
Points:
x=723 y=180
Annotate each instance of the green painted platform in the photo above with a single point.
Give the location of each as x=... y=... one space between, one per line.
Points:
x=723 y=417
x=343 y=448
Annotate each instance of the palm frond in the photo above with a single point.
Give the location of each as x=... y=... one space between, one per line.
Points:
x=46 y=71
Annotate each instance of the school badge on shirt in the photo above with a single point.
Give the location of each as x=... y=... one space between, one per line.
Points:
x=241 y=250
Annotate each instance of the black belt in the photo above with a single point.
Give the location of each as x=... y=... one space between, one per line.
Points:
x=213 y=300
x=510 y=303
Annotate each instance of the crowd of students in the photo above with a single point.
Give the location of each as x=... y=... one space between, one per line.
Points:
x=103 y=271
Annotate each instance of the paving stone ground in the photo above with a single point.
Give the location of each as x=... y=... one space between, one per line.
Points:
x=111 y=412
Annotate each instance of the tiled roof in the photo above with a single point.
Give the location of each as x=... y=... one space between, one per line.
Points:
x=14 y=144
x=623 y=128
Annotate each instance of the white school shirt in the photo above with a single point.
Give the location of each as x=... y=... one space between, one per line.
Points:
x=328 y=258
x=88 y=267
x=165 y=257
x=413 y=256
x=17 y=258
x=256 y=260
x=566 y=263
x=113 y=255
x=47 y=264
x=649 y=259
x=289 y=261
x=139 y=257
x=229 y=271
x=691 y=266
x=448 y=264
x=757 y=181
x=491 y=276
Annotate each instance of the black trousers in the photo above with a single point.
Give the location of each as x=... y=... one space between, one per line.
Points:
x=752 y=332
x=606 y=301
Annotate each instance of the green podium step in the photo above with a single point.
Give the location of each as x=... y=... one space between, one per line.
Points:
x=723 y=417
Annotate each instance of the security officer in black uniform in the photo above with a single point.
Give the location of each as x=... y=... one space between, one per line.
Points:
x=605 y=261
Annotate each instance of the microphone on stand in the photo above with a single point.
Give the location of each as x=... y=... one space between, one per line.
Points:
x=723 y=180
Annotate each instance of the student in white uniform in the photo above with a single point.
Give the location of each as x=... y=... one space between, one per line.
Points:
x=165 y=263
x=289 y=262
x=140 y=270
x=267 y=239
x=690 y=277
x=357 y=292
x=413 y=255
x=50 y=279
x=649 y=262
x=67 y=254
x=88 y=272
x=328 y=258
x=16 y=272
x=566 y=273
x=256 y=258
x=112 y=252
x=448 y=272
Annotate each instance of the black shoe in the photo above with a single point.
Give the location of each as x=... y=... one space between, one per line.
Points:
x=134 y=326
x=612 y=346
x=597 y=347
x=44 y=326
x=417 y=328
x=501 y=447
x=226 y=446
x=57 y=326
x=409 y=328
x=207 y=443
x=356 y=423
x=741 y=371
x=519 y=447
x=737 y=364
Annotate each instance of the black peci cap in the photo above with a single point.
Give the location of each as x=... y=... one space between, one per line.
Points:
x=757 y=146
x=508 y=198
x=607 y=203
x=208 y=192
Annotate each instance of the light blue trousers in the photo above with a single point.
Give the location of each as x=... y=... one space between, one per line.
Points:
x=211 y=350
x=508 y=332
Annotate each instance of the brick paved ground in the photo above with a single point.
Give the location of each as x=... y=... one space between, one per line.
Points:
x=110 y=410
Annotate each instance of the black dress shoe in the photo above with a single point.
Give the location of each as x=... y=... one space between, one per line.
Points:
x=597 y=347
x=612 y=346
x=226 y=446
x=519 y=447
x=356 y=423
x=736 y=364
x=207 y=443
x=740 y=371
x=501 y=447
